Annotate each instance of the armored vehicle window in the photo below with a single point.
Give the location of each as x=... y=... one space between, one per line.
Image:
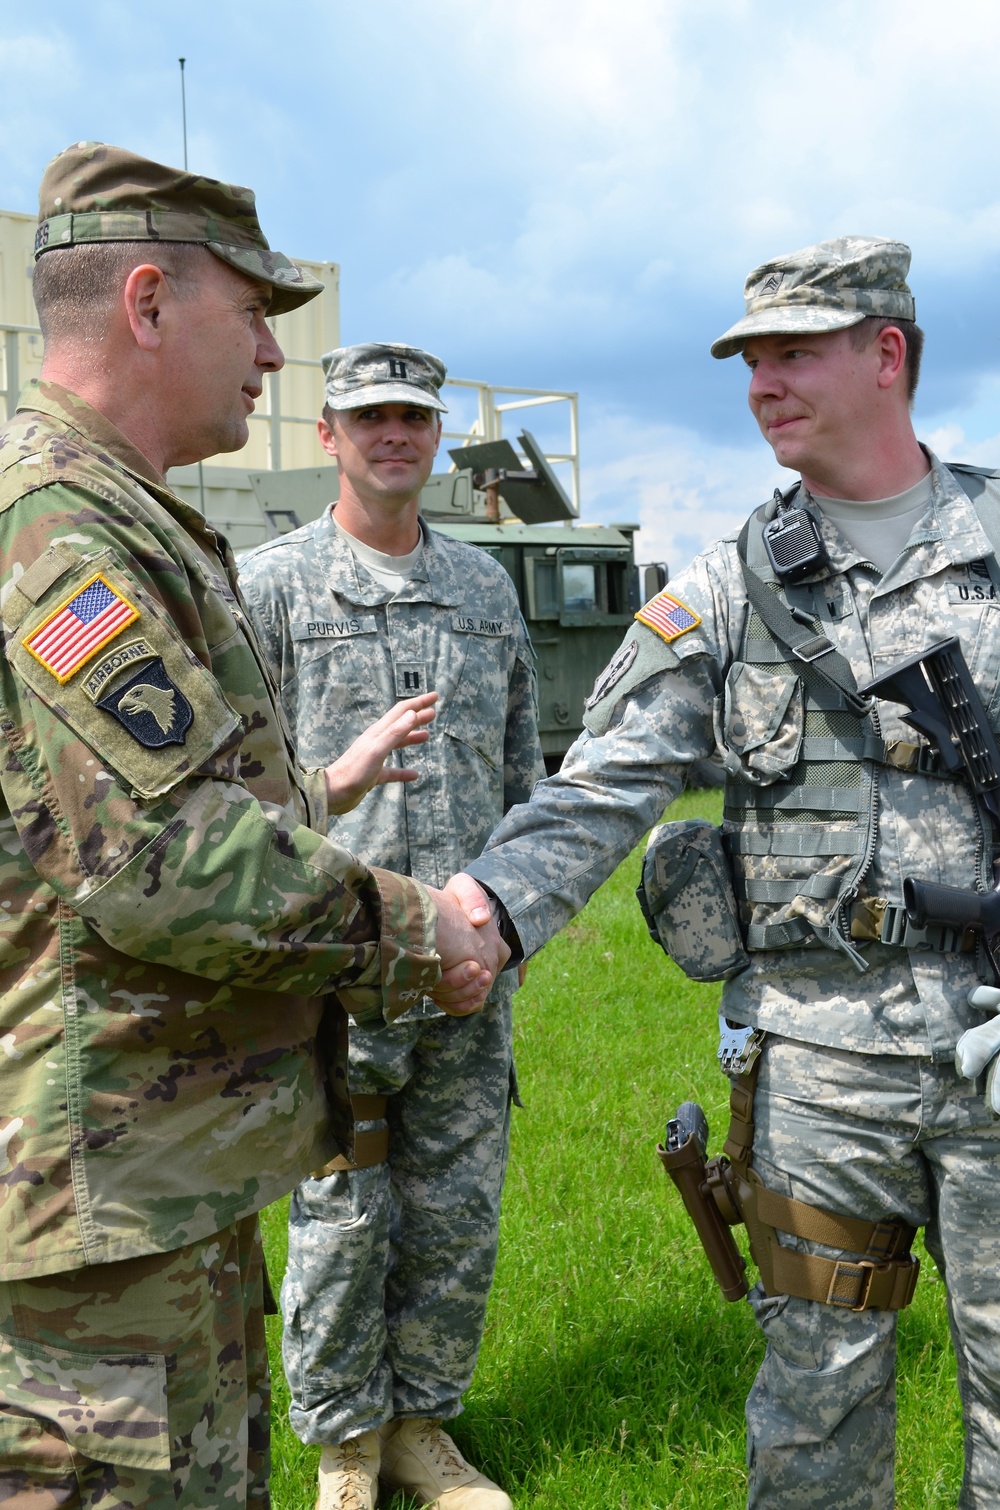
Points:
x=579 y=587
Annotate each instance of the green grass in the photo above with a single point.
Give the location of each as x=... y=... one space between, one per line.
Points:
x=612 y=1374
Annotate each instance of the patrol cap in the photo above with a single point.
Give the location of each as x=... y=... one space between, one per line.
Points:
x=383 y=372
x=829 y=286
x=93 y=192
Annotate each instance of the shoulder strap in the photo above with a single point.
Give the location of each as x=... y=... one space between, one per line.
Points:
x=821 y=663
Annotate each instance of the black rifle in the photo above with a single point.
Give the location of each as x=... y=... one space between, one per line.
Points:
x=946 y=707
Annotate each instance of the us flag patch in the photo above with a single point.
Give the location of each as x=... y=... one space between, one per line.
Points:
x=668 y=616
x=80 y=627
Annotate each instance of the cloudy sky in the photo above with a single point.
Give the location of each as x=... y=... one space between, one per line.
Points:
x=569 y=193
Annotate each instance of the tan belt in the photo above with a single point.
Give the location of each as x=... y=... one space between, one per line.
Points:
x=370 y=1147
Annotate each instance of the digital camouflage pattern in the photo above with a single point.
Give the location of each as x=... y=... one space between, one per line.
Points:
x=873 y=1137
x=390 y=1267
x=870 y=1118
x=172 y=914
x=672 y=707
x=829 y=286
x=139 y=1385
x=382 y=372
x=94 y=192
x=688 y=899
x=344 y=649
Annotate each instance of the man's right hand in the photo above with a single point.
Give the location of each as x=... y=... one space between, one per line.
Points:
x=471 y=957
x=362 y=764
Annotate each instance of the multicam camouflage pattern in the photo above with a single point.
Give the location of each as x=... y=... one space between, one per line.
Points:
x=93 y=192
x=689 y=901
x=138 y=1384
x=829 y=286
x=382 y=372
x=389 y=1268
x=169 y=917
x=877 y=1138
x=670 y=709
x=376 y=1324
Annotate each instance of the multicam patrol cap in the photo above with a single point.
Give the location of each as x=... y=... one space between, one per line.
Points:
x=829 y=286
x=93 y=192
x=383 y=372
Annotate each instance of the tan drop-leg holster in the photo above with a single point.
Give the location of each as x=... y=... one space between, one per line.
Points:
x=884 y=1279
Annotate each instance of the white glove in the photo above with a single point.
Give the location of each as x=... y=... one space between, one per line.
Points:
x=978 y=1046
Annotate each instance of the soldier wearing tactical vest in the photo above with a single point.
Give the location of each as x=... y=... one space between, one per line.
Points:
x=843 y=1019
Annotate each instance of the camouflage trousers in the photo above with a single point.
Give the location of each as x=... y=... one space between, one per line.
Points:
x=872 y=1136
x=138 y=1384
x=389 y=1268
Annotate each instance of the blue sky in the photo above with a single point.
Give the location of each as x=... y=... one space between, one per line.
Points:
x=569 y=193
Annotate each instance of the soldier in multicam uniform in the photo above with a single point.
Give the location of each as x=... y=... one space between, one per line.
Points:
x=390 y=1261
x=860 y=1110
x=173 y=914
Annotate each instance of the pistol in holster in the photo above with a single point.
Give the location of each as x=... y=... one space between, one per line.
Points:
x=877 y=1269
x=704 y=1188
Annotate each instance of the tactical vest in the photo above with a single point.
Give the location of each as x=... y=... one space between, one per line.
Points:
x=803 y=760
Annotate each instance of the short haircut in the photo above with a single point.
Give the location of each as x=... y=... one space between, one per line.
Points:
x=866 y=331
x=75 y=287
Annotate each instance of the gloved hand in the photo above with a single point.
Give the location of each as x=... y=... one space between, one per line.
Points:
x=978 y=1046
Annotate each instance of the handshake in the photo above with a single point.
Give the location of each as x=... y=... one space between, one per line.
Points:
x=469 y=943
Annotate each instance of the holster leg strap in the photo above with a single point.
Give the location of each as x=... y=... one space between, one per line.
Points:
x=884 y=1278
x=370 y=1147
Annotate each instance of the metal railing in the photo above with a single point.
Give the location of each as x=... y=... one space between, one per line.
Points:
x=488 y=424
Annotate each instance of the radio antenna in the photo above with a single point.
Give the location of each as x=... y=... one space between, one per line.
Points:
x=184 y=114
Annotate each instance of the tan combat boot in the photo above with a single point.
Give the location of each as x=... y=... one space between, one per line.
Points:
x=421 y=1459
x=348 y=1474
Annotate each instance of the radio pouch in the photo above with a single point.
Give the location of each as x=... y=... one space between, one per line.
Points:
x=686 y=896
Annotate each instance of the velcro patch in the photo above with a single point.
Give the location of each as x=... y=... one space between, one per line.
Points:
x=150 y=706
x=411 y=678
x=80 y=627
x=613 y=672
x=474 y=623
x=334 y=629
x=668 y=616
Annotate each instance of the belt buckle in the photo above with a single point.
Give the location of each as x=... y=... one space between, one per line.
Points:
x=851 y=1264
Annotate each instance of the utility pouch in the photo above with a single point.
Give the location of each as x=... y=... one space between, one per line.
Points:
x=686 y=896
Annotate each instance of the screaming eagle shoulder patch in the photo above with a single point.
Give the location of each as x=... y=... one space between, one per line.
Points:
x=150 y=706
x=668 y=616
x=80 y=627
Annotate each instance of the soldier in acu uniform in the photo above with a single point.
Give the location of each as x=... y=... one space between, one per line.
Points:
x=390 y=1260
x=863 y=1128
x=173 y=914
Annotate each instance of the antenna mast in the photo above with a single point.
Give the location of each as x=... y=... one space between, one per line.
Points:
x=184 y=114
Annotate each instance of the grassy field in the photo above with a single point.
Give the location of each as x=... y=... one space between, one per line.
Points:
x=612 y=1374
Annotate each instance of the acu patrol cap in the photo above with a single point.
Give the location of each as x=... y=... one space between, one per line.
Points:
x=93 y=192
x=830 y=286
x=383 y=372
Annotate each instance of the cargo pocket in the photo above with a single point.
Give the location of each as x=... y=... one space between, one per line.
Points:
x=108 y=1407
x=763 y=719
